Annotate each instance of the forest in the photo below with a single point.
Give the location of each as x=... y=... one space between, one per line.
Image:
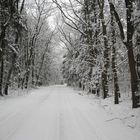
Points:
x=93 y=44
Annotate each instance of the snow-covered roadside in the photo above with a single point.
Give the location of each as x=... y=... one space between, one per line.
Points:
x=60 y=113
x=122 y=112
x=16 y=108
x=12 y=93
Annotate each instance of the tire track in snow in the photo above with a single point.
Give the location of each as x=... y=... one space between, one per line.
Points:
x=85 y=127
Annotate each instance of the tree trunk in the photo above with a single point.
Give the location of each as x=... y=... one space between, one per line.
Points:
x=105 y=74
x=40 y=68
x=27 y=78
x=1 y=72
x=134 y=78
x=129 y=45
x=28 y=66
x=9 y=74
x=33 y=70
x=106 y=57
x=14 y=55
x=115 y=75
x=2 y=47
x=79 y=85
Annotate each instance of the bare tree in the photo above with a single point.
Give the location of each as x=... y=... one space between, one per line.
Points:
x=128 y=42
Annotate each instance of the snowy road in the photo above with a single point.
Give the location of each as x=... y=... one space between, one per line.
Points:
x=58 y=113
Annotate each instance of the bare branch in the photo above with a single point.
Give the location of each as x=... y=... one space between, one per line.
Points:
x=69 y=19
x=112 y=7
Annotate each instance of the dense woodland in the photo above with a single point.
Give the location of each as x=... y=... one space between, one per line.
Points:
x=101 y=40
x=104 y=47
x=26 y=43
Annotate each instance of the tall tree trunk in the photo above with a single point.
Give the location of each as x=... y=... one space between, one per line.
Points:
x=106 y=52
x=41 y=65
x=105 y=72
x=115 y=75
x=27 y=75
x=1 y=72
x=25 y=79
x=2 y=47
x=14 y=55
x=33 y=70
x=131 y=58
x=129 y=46
x=9 y=74
x=134 y=78
x=29 y=64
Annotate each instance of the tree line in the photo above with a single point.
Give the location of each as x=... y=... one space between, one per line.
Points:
x=102 y=38
x=25 y=44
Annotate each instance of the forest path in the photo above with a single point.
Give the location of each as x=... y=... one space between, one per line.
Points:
x=58 y=113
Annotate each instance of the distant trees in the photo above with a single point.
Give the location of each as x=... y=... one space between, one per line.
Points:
x=37 y=26
x=98 y=45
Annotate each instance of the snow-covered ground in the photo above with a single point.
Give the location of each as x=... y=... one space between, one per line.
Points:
x=60 y=113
